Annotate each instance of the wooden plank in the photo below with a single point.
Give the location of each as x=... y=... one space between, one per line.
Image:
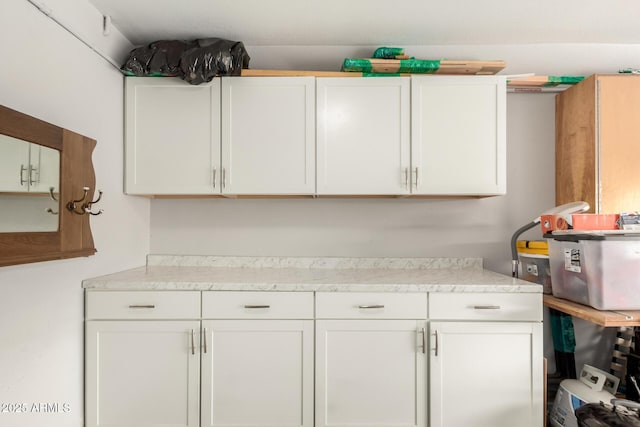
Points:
x=542 y=81
x=619 y=127
x=599 y=317
x=388 y=66
x=297 y=73
x=576 y=144
x=470 y=67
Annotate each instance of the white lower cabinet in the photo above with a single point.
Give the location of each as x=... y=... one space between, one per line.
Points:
x=370 y=373
x=142 y=373
x=190 y=359
x=486 y=360
x=257 y=373
x=257 y=359
x=371 y=366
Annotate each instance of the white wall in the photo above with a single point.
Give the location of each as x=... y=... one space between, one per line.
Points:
x=47 y=73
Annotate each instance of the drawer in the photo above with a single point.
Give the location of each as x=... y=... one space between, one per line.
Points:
x=485 y=306
x=371 y=305
x=142 y=305
x=257 y=305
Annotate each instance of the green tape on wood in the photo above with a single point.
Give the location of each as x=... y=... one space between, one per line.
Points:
x=415 y=66
x=563 y=80
x=419 y=66
x=363 y=65
x=388 y=52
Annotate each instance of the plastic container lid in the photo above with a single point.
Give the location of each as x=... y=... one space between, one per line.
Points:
x=533 y=247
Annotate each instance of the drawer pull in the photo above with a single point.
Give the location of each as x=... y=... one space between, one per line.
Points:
x=257 y=306
x=364 y=307
x=486 y=307
x=142 y=306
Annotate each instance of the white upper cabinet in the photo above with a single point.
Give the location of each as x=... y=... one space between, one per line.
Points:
x=27 y=167
x=268 y=135
x=458 y=135
x=363 y=135
x=418 y=135
x=172 y=136
x=14 y=164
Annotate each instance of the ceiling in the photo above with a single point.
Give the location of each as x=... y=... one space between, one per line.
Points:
x=376 y=22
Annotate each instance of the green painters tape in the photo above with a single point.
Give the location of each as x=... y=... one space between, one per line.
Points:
x=388 y=52
x=564 y=80
x=419 y=66
x=363 y=65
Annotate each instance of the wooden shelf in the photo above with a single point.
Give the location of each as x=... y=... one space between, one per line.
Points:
x=599 y=317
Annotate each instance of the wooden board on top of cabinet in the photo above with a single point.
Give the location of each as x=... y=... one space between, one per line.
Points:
x=597 y=153
x=458 y=135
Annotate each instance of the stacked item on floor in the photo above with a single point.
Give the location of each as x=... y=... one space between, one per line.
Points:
x=394 y=61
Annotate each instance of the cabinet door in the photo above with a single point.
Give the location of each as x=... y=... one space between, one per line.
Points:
x=458 y=135
x=172 y=136
x=370 y=373
x=14 y=164
x=268 y=135
x=486 y=374
x=142 y=373
x=363 y=135
x=45 y=164
x=257 y=373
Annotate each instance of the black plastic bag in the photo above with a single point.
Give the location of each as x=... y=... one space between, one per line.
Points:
x=160 y=58
x=194 y=61
x=213 y=57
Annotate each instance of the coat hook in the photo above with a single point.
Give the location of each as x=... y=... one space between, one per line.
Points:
x=85 y=208
x=51 y=194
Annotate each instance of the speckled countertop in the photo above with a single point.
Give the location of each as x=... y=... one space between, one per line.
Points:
x=219 y=273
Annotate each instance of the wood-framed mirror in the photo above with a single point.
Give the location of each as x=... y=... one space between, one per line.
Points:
x=39 y=188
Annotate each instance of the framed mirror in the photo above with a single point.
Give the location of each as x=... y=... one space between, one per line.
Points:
x=42 y=168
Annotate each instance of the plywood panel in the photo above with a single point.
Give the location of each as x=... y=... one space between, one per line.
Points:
x=575 y=144
x=619 y=103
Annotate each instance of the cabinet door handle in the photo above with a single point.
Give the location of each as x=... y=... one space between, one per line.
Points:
x=257 y=306
x=214 y=177
x=22 y=171
x=406 y=178
x=371 y=306
x=193 y=342
x=416 y=182
x=224 y=178
x=486 y=307
x=142 y=306
x=32 y=180
x=436 y=348
x=204 y=339
x=424 y=343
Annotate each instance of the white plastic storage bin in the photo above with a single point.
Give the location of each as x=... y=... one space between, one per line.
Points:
x=600 y=269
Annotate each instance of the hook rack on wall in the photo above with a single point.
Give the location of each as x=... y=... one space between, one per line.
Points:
x=82 y=206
